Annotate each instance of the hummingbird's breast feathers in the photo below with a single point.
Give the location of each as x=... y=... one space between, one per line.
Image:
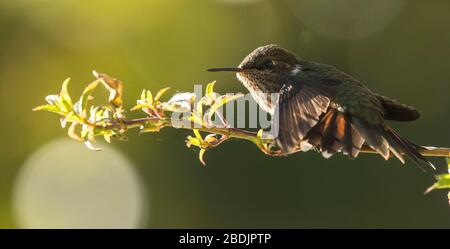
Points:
x=261 y=93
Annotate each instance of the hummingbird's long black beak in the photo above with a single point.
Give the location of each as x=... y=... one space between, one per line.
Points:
x=226 y=69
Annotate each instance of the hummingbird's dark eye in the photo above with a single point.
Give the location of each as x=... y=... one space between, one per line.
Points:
x=267 y=64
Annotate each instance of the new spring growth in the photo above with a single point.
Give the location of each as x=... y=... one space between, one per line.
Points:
x=202 y=114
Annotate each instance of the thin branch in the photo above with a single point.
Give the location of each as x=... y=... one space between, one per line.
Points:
x=237 y=133
x=110 y=120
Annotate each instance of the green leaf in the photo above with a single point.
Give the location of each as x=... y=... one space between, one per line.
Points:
x=137 y=107
x=81 y=105
x=49 y=108
x=201 y=154
x=56 y=101
x=198 y=135
x=146 y=101
x=71 y=117
x=143 y=95
x=149 y=98
x=209 y=92
x=160 y=93
x=64 y=95
x=192 y=141
x=107 y=137
x=260 y=133
x=443 y=180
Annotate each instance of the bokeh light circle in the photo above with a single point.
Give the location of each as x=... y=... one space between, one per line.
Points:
x=65 y=185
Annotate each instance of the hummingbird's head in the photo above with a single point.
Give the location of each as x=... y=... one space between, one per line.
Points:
x=266 y=68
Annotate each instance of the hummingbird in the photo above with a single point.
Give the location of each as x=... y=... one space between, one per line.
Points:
x=322 y=108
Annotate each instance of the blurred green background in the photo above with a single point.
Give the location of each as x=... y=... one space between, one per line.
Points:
x=397 y=48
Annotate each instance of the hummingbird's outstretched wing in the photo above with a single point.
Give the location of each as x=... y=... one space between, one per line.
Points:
x=301 y=105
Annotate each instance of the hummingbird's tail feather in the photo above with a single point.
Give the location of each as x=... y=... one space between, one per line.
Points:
x=373 y=136
x=341 y=132
x=385 y=140
x=335 y=133
x=405 y=147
